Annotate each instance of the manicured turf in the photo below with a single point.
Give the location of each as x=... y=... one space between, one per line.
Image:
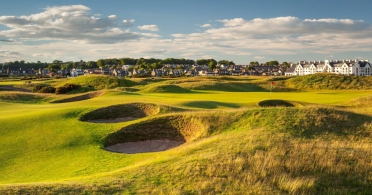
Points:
x=232 y=144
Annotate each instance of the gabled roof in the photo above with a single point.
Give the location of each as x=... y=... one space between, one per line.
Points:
x=291 y=69
x=363 y=63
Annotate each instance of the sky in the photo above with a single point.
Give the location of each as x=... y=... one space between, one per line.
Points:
x=236 y=30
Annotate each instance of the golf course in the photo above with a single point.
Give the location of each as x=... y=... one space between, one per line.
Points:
x=187 y=135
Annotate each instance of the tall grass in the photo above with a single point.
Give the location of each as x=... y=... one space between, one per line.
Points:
x=46 y=149
x=329 y=82
x=100 y=82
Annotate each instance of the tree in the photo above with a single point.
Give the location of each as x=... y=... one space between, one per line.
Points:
x=272 y=63
x=101 y=63
x=128 y=61
x=254 y=63
x=76 y=64
x=286 y=64
x=92 y=64
x=212 y=64
x=54 y=67
x=57 y=62
x=225 y=62
x=68 y=66
x=156 y=65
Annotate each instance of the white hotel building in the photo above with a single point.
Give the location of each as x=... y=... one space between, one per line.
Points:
x=344 y=67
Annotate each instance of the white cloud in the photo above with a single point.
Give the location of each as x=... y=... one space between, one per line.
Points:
x=284 y=35
x=151 y=27
x=6 y=54
x=128 y=23
x=150 y=35
x=206 y=25
x=72 y=32
x=233 y=22
x=259 y=57
x=67 y=23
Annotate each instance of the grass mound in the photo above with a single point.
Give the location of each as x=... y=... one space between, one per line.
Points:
x=210 y=104
x=310 y=150
x=222 y=85
x=125 y=111
x=82 y=97
x=360 y=102
x=164 y=88
x=329 y=82
x=275 y=103
x=20 y=97
x=308 y=122
x=101 y=82
x=177 y=128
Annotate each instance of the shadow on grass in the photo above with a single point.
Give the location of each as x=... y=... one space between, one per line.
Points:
x=82 y=97
x=275 y=103
x=210 y=104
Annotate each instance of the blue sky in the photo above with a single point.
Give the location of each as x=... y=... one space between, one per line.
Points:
x=240 y=30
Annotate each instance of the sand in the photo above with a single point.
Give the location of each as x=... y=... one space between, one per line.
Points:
x=144 y=146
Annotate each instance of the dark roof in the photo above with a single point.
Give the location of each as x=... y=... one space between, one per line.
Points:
x=291 y=69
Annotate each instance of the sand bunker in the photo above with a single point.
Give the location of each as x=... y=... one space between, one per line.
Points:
x=161 y=133
x=144 y=146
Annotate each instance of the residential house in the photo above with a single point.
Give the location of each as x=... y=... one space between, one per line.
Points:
x=157 y=73
x=191 y=72
x=76 y=72
x=119 y=73
x=13 y=72
x=105 y=71
x=344 y=67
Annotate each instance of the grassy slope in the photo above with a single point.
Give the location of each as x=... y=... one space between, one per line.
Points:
x=256 y=150
x=329 y=82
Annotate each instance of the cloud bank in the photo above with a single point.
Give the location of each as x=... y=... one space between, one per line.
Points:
x=73 y=33
x=151 y=27
x=68 y=23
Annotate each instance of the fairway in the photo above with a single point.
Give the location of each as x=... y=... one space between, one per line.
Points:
x=51 y=146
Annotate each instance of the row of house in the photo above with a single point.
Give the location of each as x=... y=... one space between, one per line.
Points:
x=344 y=67
x=166 y=70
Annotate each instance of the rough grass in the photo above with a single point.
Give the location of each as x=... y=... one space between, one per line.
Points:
x=81 y=97
x=275 y=103
x=360 y=102
x=239 y=158
x=21 y=97
x=100 y=82
x=329 y=82
x=133 y=110
x=210 y=104
x=46 y=149
x=164 y=88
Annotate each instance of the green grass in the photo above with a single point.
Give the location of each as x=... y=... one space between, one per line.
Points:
x=329 y=81
x=232 y=146
x=99 y=82
x=20 y=97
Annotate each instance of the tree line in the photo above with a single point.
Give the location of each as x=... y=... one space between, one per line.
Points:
x=140 y=63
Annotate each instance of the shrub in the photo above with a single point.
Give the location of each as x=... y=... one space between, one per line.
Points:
x=42 y=88
x=61 y=90
x=47 y=89
x=67 y=88
x=37 y=88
